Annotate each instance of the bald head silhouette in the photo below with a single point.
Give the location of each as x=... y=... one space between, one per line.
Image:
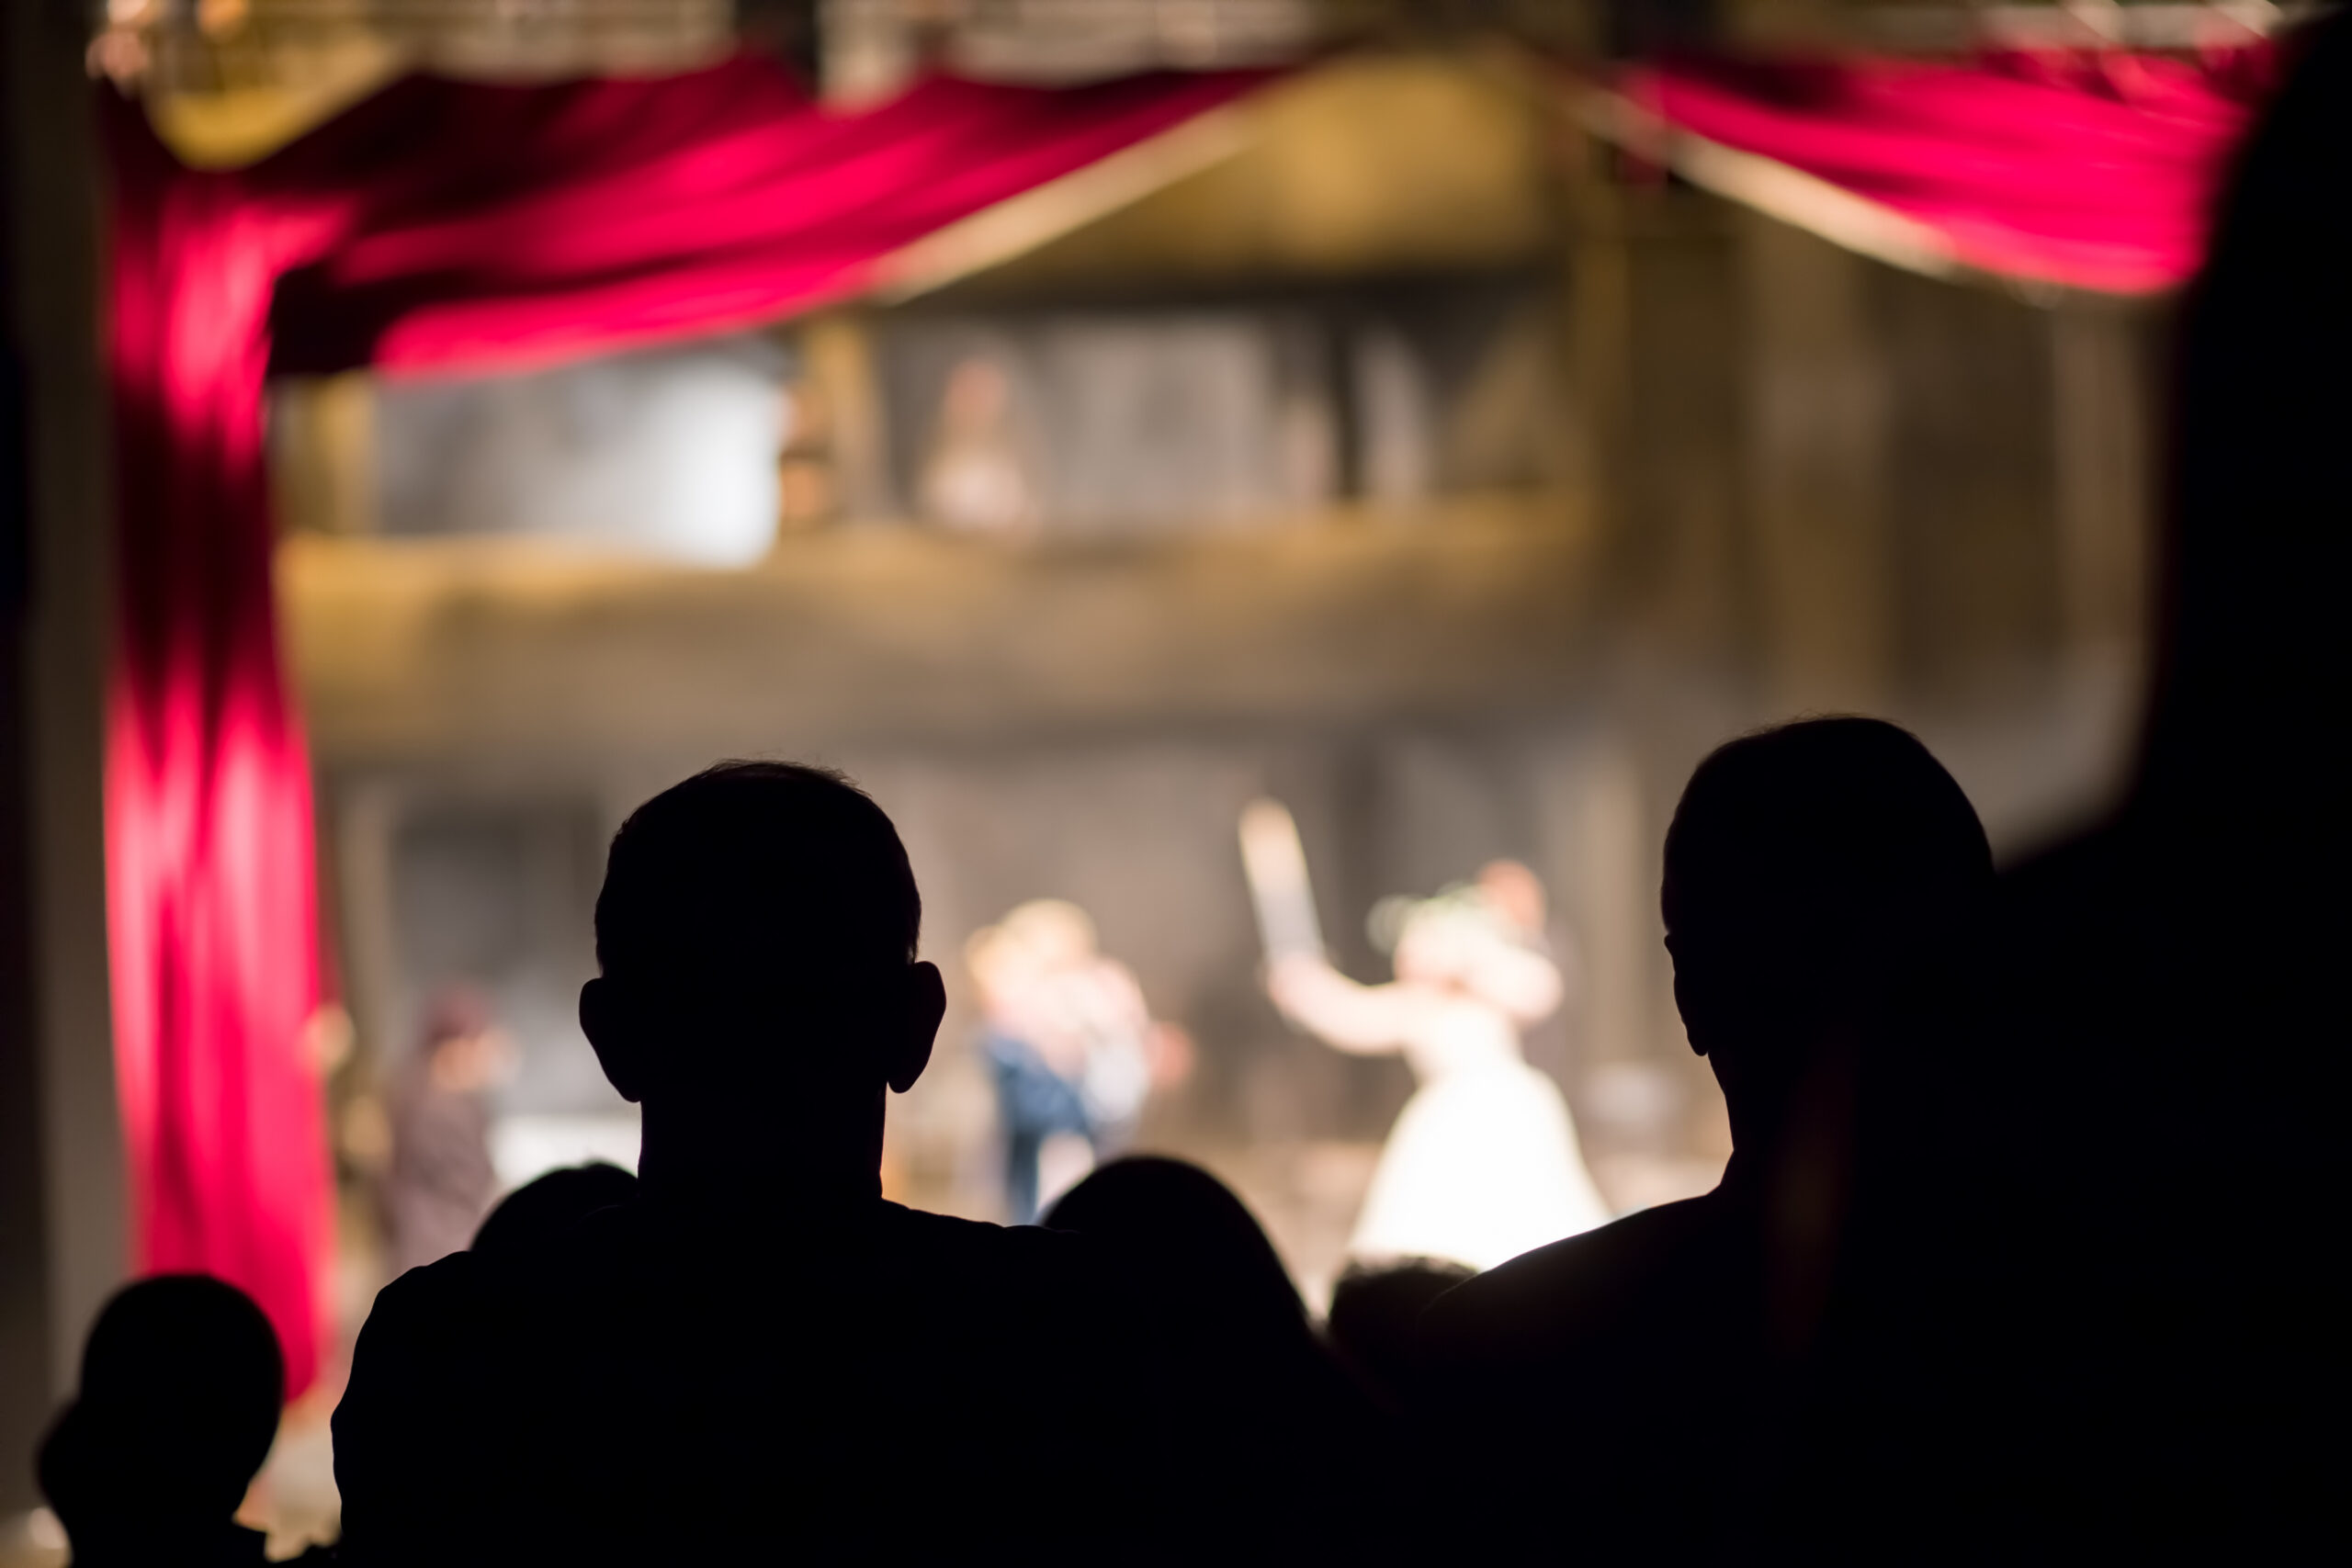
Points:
x=757 y=932
x=1815 y=874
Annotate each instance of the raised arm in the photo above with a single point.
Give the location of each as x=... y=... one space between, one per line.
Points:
x=1366 y=1020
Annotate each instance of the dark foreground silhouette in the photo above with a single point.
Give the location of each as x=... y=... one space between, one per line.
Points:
x=181 y=1384
x=1268 y=1435
x=756 y=1355
x=2082 y=1300
x=548 y=1208
x=1690 y=1369
x=2178 y=975
x=1375 y=1321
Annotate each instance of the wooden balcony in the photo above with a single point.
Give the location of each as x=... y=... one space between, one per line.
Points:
x=411 y=651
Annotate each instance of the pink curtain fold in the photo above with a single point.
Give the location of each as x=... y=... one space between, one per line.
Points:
x=2095 y=170
x=437 y=226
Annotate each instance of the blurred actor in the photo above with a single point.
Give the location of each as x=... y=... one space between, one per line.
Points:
x=1483 y=1162
x=441 y=1182
x=1072 y=1048
x=975 y=480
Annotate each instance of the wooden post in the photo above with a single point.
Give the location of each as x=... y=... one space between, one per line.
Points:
x=1817 y=421
x=62 y=1231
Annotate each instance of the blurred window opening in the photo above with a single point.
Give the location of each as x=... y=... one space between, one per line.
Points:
x=870 y=48
x=859 y=49
x=220 y=48
x=690 y=454
x=2148 y=24
x=1008 y=424
x=1108 y=423
x=253 y=51
x=1145 y=418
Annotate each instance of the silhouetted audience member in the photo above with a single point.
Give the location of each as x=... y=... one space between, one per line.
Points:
x=1277 y=1449
x=547 y=1208
x=1673 y=1382
x=2178 y=971
x=757 y=1355
x=1375 y=1320
x=181 y=1385
x=1193 y=1239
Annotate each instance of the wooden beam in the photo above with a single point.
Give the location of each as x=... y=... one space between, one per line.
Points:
x=411 y=650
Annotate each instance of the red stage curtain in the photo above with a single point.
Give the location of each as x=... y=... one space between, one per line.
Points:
x=438 y=225
x=2094 y=170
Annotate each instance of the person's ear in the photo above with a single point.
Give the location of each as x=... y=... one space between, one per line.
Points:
x=1685 y=1001
x=926 y=1005
x=609 y=1016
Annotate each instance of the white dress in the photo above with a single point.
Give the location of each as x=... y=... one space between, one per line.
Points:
x=1483 y=1162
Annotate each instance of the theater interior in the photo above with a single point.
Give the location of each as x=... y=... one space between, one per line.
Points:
x=1403 y=438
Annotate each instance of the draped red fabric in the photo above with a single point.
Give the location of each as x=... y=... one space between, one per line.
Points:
x=2094 y=170
x=436 y=226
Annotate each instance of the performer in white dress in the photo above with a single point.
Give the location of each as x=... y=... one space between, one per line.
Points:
x=1483 y=1162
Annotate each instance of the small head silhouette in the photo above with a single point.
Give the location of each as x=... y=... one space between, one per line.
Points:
x=1269 y=1436
x=1194 y=1243
x=546 y=1207
x=181 y=1386
x=757 y=932
x=1376 y=1312
x=1813 y=873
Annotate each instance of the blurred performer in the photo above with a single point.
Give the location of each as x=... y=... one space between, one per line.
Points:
x=1483 y=1162
x=975 y=480
x=1073 y=1049
x=441 y=1180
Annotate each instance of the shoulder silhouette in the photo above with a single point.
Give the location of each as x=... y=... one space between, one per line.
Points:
x=1375 y=1320
x=545 y=1210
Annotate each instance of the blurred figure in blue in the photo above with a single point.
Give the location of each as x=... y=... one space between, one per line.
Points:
x=1072 y=1047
